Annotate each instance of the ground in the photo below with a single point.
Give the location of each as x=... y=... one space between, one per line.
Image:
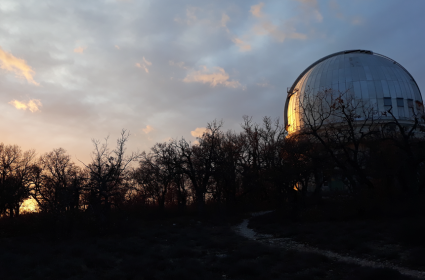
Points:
x=389 y=237
x=166 y=248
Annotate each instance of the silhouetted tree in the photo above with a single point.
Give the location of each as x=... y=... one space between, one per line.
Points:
x=343 y=125
x=227 y=178
x=108 y=172
x=198 y=161
x=58 y=182
x=15 y=168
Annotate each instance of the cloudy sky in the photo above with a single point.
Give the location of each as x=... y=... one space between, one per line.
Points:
x=75 y=70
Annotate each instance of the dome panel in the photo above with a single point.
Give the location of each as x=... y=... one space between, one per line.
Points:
x=370 y=77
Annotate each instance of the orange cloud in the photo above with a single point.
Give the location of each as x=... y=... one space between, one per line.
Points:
x=199 y=131
x=117 y=47
x=355 y=20
x=312 y=6
x=147 y=129
x=147 y=62
x=266 y=26
x=32 y=105
x=80 y=49
x=16 y=65
x=256 y=10
x=243 y=46
x=215 y=76
x=144 y=65
x=224 y=19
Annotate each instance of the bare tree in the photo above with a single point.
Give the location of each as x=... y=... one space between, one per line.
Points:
x=408 y=136
x=108 y=171
x=57 y=182
x=160 y=172
x=15 y=168
x=260 y=155
x=198 y=161
x=227 y=174
x=343 y=125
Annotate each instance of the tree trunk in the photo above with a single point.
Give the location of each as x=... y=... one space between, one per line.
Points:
x=201 y=202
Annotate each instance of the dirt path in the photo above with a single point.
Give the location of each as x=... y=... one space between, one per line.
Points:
x=288 y=243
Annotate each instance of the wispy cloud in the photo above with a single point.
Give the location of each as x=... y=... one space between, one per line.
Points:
x=243 y=46
x=215 y=76
x=80 y=49
x=357 y=20
x=224 y=19
x=267 y=27
x=354 y=20
x=311 y=7
x=144 y=65
x=265 y=84
x=256 y=10
x=117 y=47
x=167 y=139
x=16 y=65
x=147 y=129
x=32 y=105
x=146 y=62
x=191 y=18
x=178 y=64
x=199 y=131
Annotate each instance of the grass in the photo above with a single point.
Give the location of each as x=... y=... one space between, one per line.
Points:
x=167 y=248
x=393 y=236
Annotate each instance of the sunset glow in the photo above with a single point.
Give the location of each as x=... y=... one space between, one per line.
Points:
x=76 y=72
x=32 y=105
x=28 y=206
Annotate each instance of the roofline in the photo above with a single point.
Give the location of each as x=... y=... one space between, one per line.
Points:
x=290 y=91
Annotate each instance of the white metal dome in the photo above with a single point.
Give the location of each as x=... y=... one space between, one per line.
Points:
x=369 y=76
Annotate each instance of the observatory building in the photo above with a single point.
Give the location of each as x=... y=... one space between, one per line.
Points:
x=370 y=77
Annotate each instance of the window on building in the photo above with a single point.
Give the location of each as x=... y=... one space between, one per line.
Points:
x=400 y=106
x=387 y=103
x=410 y=107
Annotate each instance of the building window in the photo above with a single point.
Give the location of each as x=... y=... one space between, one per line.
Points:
x=400 y=105
x=387 y=103
x=410 y=107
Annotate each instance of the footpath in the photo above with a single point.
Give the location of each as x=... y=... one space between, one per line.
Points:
x=289 y=244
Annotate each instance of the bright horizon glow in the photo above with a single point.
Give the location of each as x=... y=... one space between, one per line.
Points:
x=29 y=206
x=174 y=66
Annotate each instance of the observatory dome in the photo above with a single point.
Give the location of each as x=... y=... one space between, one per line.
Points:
x=369 y=77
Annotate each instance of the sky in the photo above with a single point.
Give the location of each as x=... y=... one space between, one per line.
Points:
x=73 y=71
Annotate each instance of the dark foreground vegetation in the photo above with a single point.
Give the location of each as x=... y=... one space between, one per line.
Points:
x=346 y=179
x=392 y=233
x=156 y=247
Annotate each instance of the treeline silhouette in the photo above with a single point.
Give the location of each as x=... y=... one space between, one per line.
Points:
x=374 y=155
x=222 y=168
